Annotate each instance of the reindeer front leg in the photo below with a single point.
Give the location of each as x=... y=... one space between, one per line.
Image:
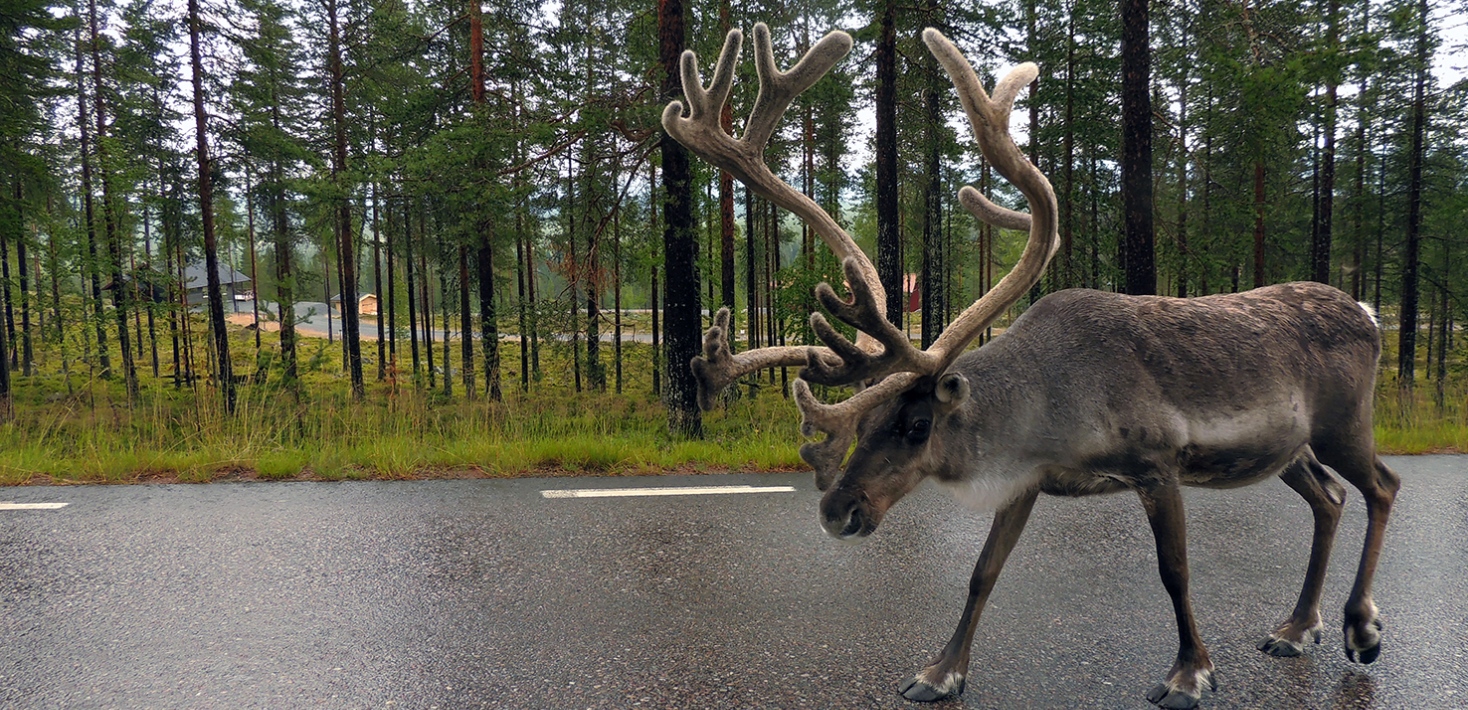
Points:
x=945 y=675
x=1192 y=670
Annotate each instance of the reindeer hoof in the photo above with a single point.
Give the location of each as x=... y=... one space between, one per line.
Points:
x=1281 y=648
x=1163 y=697
x=1363 y=645
x=1183 y=689
x=1288 y=642
x=922 y=691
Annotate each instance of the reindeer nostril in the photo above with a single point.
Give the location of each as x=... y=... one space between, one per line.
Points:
x=855 y=523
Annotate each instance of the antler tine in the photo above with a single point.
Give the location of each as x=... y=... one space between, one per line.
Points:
x=862 y=313
x=838 y=421
x=984 y=210
x=990 y=121
x=777 y=89
x=744 y=158
x=718 y=367
x=704 y=102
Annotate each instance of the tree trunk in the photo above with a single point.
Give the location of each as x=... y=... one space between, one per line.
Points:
x=426 y=294
x=489 y=330
x=392 y=290
x=520 y=269
x=1320 y=251
x=530 y=292
x=346 y=249
x=1038 y=289
x=617 y=294
x=23 y=266
x=284 y=279
x=1136 y=152
x=1258 y=223
x=1182 y=183
x=377 y=283
x=448 y=352
x=484 y=261
x=326 y=296
x=932 y=273
x=120 y=300
x=90 y=267
x=6 y=409
x=1407 y=333
x=1363 y=118
x=1358 y=226
x=412 y=290
x=169 y=239
x=224 y=374
x=596 y=378
x=889 y=244
x=55 y=268
x=751 y=274
x=1378 y=262
x=657 y=375
x=680 y=245
x=254 y=271
x=1067 y=198
x=1444 y=343
x=574 y=273
x=726 y=204
x=466 y=323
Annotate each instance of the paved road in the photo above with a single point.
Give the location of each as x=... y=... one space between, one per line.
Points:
x=457 y=594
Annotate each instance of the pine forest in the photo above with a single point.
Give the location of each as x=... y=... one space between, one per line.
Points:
x=406 y=238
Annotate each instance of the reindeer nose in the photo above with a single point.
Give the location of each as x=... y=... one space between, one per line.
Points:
x=844 y=517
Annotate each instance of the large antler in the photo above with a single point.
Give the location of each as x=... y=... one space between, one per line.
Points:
x=744 y=158
x=901 y=364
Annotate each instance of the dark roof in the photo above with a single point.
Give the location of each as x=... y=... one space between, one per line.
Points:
x=195 y=275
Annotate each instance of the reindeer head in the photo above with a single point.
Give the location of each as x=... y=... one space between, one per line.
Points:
x=908 y=402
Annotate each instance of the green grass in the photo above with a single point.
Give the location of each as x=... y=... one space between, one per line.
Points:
x=79 y=428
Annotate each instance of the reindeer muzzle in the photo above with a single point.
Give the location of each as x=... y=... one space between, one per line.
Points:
x=847 y=514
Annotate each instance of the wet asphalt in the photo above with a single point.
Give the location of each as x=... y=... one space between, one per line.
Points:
x=466 y=594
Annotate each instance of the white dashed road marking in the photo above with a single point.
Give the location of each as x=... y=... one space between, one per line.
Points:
x=31 y=506
x=678 y=491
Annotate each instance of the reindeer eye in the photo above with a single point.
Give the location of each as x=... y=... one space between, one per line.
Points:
x=917 y=433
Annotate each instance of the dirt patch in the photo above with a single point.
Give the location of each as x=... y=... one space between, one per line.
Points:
x=245 y=320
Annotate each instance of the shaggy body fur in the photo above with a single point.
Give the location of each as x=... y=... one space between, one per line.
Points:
x=1091 y=392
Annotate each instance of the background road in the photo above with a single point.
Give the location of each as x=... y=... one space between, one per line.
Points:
x=480 y=593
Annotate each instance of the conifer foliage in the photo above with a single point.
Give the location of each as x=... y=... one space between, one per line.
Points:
x=440 y=192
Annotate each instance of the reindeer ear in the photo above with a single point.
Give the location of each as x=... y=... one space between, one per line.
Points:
x=952 y=389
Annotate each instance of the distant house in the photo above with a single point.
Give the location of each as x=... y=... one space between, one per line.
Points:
x=366 y=304
x=196 y=282
x=912 y=287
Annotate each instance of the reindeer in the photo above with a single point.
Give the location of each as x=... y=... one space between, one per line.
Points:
x=1086 y=393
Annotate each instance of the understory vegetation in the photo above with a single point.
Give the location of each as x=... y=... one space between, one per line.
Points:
x=75 y=427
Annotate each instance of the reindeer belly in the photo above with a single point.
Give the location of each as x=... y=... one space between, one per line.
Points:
x=1242 y=450
x=1232 y=467
x=1216 y=452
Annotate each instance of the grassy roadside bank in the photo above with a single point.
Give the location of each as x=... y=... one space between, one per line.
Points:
x=78 y=428
x=418 y=435
x=411 y=435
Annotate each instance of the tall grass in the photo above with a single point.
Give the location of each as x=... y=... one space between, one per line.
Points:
x=94 y=436
x=79 y=427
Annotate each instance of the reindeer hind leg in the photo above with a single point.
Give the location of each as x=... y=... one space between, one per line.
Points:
x=1326 y=497
x=1356 y=461
x=1193 y=670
